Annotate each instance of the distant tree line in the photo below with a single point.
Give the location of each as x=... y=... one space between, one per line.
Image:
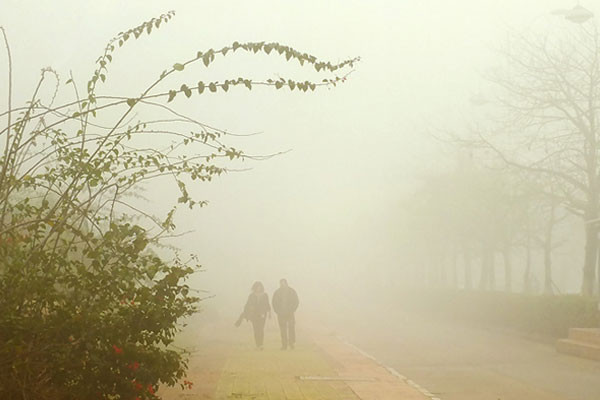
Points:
x=526 y=168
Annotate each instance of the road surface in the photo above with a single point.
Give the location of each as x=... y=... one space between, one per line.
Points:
x=460 y=362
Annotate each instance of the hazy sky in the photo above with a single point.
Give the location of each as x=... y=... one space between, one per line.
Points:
x=330 y=204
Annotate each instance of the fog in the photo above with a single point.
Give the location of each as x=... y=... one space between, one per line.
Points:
x=337 y=205
x=330 y=207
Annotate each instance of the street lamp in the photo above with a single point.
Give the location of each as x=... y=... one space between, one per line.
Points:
x=577 y=14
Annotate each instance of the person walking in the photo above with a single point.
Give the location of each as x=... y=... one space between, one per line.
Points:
x=285 y=304
x=256 y=310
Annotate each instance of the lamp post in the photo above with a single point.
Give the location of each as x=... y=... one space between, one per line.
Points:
x=576 y=15
x=579 y=14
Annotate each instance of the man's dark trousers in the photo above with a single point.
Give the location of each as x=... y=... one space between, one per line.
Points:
x=287 y=327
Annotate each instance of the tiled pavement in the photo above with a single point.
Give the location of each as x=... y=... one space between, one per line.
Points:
x=320 y=368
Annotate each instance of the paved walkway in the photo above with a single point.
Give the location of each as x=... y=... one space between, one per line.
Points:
x=320 y=368
x=380 y=383
x=462 y=362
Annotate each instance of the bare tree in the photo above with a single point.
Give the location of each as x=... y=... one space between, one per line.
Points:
x=548 y=127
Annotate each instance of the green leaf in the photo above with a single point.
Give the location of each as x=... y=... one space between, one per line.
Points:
x=186 y=90
x=212 y=87
x=151 y=272
x=178 y=67
x=201 y=87
x=172 y=94
x=278 y=85
x=206 y=59
x=131 y=102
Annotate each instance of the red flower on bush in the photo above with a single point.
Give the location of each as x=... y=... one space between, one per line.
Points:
x=151 y=389
x=138 y=386
x=118 y=350
x=188 y=384
x=134 y=366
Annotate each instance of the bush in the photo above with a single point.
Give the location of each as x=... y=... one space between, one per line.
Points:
x=95 y=327
x=91 y=301
x=544 y=315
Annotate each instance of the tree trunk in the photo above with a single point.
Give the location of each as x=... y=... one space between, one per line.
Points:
x=548 y=251
x=443 y=271
x=432 y=271
x=591 y=212
x=548 y=269
x=589 y=264
x=492 y=270
x=507 y=269
x=468 y=268
x=596 y=291
x=454 y=268
x=485 y=279
x=527 y=274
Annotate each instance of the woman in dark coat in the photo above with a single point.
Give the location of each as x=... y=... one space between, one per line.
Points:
x=256 y=310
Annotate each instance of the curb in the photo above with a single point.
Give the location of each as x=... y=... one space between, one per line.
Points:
x=392 y=371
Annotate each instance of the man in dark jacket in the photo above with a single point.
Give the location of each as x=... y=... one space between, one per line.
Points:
x=285 y=304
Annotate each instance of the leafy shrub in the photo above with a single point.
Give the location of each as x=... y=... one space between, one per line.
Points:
x=93 y=327
x=545 y=315
x=91 y=301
